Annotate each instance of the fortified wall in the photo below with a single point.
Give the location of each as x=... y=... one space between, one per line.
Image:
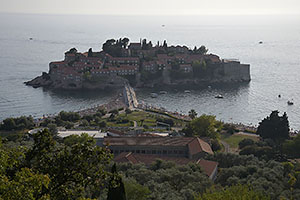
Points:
x=235 y=71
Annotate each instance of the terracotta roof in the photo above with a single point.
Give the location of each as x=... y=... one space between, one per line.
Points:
x=144 y=141
x=194 y=144
x=198 y=145
x=125 y=58
x=207 y=166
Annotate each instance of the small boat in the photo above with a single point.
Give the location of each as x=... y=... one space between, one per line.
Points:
x=219 y=96
x=279 y=96
x=187 y=91
x=163 y=92
x=209 y=87
x=154 y=95
x=31 y=38
x=290 y=103
x=260 y=42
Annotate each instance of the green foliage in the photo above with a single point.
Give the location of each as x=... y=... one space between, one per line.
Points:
x=115 y=111
x=166 y=180
x=90 y=52
x=201 y=50
x=274 y=127
x=148 y=76
x=52 y=129
x=236 y=192
x=72 y=168
x=68 y=116
x=128 y=111
x=199 y=69
x=193 y=114
x=25 y=185
x=216 y=145
x=230 y=128
x=292 y=147
x=116 y=189
x=203 y=126
x=269 y=177
x=136 y=191
x=18 y=123
x=84 y=123
x=245 y=142
x=168 y=121
x=114 y=47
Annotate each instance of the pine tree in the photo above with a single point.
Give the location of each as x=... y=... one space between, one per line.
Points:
x=116 y=189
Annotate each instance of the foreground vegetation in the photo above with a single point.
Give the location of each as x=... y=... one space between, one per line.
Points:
x=44 y=166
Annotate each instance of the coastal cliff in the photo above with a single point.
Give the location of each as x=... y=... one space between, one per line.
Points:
x=141 y=65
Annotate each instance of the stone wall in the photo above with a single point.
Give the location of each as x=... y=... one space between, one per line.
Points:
x=235 y=71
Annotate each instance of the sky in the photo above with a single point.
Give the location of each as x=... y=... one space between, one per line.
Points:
x=153 y=7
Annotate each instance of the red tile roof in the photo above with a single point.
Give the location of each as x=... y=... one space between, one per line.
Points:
x=198 y=145
x=194 y=144
x=207 y=166
x=125 y=58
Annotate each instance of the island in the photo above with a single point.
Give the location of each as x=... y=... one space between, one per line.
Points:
x=141 y=64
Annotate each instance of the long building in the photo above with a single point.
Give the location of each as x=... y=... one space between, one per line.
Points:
x=186 y=147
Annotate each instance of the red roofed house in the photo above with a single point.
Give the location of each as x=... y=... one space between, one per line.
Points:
x=186 y=147
x=210 y=168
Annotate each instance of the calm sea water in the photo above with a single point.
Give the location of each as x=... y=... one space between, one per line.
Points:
x=275 y=64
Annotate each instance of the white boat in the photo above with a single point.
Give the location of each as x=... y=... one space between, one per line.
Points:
x=187 y=91
x=154 y=95
x=163 y=92
x=219 y=96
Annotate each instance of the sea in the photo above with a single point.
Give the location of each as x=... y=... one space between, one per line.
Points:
x=275 y=64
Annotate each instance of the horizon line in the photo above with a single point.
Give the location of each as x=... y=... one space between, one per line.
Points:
x=152 y=15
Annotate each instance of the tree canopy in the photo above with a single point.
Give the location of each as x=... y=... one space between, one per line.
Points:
x=51 y=170
x=203 y=126
x=274 y=127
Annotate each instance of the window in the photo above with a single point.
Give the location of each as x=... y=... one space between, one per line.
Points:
x=143 y=151
x=153 y=151
x=137 y=151
x=165 y=152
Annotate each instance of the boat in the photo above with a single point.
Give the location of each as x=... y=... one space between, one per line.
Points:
x=219 y=96
x=187 y=91
x=260 y=42
x=154 y=95
x=163 y=92
x=290 y=103
x=31 y=38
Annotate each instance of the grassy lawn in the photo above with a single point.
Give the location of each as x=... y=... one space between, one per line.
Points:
x=234 y=140
x=142 y=118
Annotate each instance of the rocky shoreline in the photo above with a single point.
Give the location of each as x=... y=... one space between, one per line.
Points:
x=116 y=82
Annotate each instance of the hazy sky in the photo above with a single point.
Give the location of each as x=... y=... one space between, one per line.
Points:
x=156 y=7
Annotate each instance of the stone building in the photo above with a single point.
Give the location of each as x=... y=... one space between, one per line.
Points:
x=186 y=147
